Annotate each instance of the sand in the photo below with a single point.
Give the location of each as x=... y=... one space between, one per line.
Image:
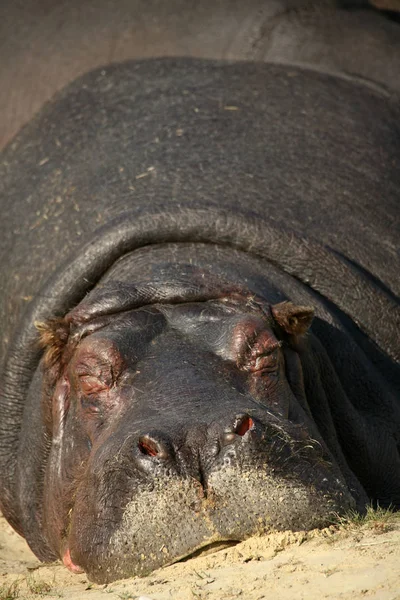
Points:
x=351 y=562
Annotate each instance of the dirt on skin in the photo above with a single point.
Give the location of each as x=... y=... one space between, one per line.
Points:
x=347 y=563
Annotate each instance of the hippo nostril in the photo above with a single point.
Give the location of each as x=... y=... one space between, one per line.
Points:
x=147 y=447
x=151 y=447
x=242 y=424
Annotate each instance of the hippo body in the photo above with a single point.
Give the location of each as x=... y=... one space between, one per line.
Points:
x=172 y=226
x=46 y=45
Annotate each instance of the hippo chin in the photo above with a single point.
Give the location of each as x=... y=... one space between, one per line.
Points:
x=199 y=291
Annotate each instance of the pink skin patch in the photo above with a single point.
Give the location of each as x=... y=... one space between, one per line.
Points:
x=67 y=560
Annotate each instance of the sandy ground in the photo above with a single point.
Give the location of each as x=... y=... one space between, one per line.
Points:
x=350 y=563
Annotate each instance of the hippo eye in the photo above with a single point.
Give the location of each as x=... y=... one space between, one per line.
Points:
x=267 y=362
x=264 y=359
x=91 y=385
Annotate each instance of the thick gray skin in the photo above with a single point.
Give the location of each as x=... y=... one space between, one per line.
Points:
x=46 y=45
x=273 y=173
x=276 y=170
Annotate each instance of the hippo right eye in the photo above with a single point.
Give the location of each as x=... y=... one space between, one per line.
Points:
x=91 y=385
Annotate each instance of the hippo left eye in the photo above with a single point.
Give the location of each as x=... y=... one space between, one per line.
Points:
x=267 y=360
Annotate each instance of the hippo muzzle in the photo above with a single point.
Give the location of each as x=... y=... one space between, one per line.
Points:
x=176 y=426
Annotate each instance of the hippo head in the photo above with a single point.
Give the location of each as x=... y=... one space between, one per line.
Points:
x=178 y=420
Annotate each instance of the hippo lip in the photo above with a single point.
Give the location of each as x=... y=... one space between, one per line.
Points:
x=208 y=548
x=69 y=563
x=142 y=540
x=168 y=518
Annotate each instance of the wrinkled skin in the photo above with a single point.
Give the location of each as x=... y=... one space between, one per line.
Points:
x=185 y=414
x=46 y=45
x=172 y=227
x=186 y=417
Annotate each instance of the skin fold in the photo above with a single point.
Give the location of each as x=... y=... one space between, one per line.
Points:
x=199 y=266
x=46 y=45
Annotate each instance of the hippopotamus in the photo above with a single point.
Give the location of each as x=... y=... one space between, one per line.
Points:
x=199 y=308
x=46 y=45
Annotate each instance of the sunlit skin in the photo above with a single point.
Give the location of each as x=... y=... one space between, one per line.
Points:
x=230 y=387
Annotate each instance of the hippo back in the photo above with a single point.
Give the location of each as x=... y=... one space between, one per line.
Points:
x=291 y=164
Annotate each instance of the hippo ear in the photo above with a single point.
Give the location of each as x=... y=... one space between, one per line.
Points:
x=293 y=319
x=53 y=339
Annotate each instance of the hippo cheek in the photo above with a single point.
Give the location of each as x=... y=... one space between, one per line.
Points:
x=129 y=522
x=68 y=455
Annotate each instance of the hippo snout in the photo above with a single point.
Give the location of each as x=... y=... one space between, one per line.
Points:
x=194 y=452
x=208 y=483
